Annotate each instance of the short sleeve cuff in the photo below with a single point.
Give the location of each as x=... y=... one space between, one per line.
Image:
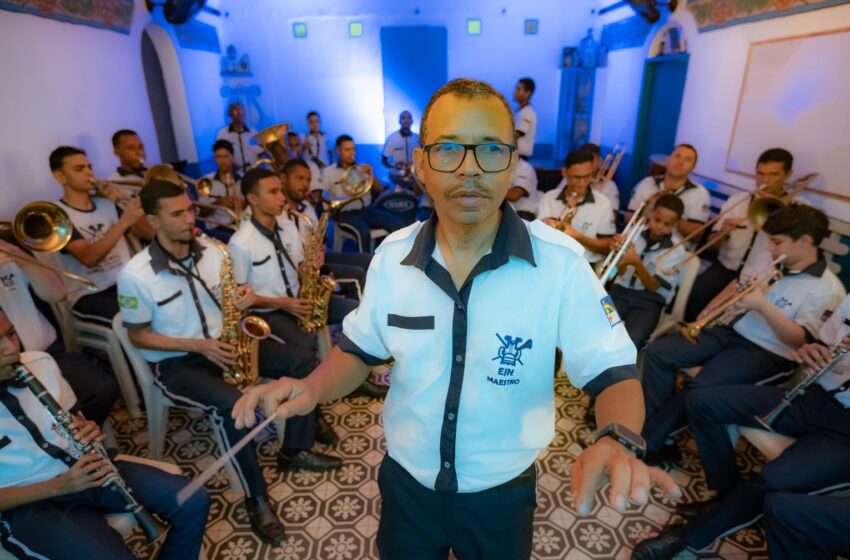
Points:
x=610 y=376
x=346 y=345
x=135 y=326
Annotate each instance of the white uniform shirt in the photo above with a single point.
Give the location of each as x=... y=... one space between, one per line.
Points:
x=122 y=172
x=611 y=192
x=155 y=292
x=315 y=147
x=525 y=120
x=30 y=451
x=649 y=254
x=258 y=262
x=802 y=296
x=833 y=332
x=315 y=175
x=526 y=178
x=594 y=216
x=399 y=148
x=91 y=225
x=694 y=196
x=33 y=328
x=332 y=184
x=219 y=188
x=471 y=402
x=245 y=150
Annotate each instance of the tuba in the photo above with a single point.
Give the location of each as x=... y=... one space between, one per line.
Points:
x=238 y=329
x=273 y=141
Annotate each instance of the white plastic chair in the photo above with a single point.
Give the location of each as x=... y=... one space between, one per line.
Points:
x=77 y=333
x=687 y=276
x=157 y=403
x=342 y=232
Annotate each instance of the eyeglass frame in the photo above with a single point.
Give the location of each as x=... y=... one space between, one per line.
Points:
x=466 y=148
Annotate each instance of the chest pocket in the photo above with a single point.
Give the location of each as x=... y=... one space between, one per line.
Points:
x=4 y=441
x=264 y=261
x=170 y=298
x=418 y=323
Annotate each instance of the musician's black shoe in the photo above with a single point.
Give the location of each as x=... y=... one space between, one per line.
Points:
x=695 y=509
x=370 y=389
x=325 y=434
x=308 y=460
x=264 y=521
x=668 y=543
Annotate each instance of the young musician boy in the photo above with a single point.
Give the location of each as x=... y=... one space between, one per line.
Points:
x=225 y=192
x=819 y=457
x=644 y=286
x=98 y=248
x=52 y=503
x=758 y=342
x=315 y=142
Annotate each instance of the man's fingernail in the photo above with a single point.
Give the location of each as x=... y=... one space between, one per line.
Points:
x=584 y=509
x=640 y=495
x=620 y=503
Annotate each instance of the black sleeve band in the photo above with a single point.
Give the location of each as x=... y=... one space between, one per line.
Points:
x=347 y=346
x=610 y=376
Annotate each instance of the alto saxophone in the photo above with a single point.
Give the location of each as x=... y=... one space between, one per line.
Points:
x=313 y=286
x=238 y=329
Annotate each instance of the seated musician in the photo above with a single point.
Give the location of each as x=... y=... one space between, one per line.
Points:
x=523 y=192
x=733 y=233
x=51 y=503
x=592 y=224
x=397 y=153
x=608 y=188
x=315 y=142
x=225 y=192
x=819 y=458
x=803 y=526
x=267 y=253
x=96 y=389
x=98 y=248
x=170 y=296
x=359 y=216
x=245 y=150
x=675 y=180
x=130 y=151
x=294 y=142
x=644 y=286
x=757 y=343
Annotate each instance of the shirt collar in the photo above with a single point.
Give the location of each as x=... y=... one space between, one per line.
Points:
x=815 y=269
x=664 y=243
x=160 y=257
x=263 y=229
x=688 y=183
x=244 y=129
x=236 y=176
x=127 y=172
x=588 y=196
x=512 y=240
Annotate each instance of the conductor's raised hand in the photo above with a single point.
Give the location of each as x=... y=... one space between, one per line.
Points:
x=285 y=397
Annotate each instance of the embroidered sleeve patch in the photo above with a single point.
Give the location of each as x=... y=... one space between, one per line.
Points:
x=128 y=302
x=610 y=311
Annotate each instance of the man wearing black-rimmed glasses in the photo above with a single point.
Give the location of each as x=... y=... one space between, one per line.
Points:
x=471 y=400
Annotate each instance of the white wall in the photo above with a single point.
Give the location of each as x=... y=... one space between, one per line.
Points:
x=342 y=77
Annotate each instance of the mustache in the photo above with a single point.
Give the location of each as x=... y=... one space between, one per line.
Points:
x=469 y=187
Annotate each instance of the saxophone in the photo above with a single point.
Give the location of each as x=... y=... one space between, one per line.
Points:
x=238 y=329
x=314 y=286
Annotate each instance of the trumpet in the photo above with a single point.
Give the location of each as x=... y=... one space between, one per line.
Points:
x=766 y=421
x=761 y=206
x=725 y=311
x=43 y=227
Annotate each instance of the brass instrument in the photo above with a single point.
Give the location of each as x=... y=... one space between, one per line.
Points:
x=43 y=227
x=238 y=329
x=62 y=419
x=725 y=311
x=203 y=186
x=356 y=182
x=273 y=141
x=635 y=227
x=766 y=421
x=762 y=205
x=312 y=285
x=609 y=165
x=566 y=218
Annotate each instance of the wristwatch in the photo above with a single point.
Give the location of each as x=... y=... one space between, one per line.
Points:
x=625 y=437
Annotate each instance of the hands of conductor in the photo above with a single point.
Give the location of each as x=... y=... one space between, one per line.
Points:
x=631 y=479
x=286 y=397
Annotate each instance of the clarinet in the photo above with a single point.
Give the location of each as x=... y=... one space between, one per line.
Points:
x=768 y=419
x=62 y=420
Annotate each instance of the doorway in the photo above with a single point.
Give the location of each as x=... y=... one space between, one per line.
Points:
x=158 y=97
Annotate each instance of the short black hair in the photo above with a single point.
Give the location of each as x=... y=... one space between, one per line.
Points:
x=670 y=202
x=797 y=220
x=343 y=138
x=777 y=155
x=291 y=164
x=691 y=148
x=528 y=84
x=311 y=113
x=291 y=133
x=576 y=157
x=223 y=144
x=251 y=180
x=156 y=190
x=116 y=138
x=58 y=155
x=592 y=148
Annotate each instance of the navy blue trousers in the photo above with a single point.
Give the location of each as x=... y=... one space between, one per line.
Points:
x=72 y=527
x=640 y=311
x=726 y=357
x=811 y=527
x=365 y=219
x=818 y=459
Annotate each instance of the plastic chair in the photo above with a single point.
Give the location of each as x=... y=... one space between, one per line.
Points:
x=157 y=403
x=687 y=276
x=341 y=232
x=77 y=333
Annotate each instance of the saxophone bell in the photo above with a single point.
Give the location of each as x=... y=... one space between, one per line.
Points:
x=256 y=327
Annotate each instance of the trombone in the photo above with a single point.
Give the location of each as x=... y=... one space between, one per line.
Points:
x=44 y=227
x=609 y=165
x=635 y=227
x=762 y=205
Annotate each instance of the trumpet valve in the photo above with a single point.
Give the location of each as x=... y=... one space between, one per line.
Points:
x=690 y=331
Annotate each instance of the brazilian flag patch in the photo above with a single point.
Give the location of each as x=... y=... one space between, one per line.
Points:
x=610 y=311
x=128 y=302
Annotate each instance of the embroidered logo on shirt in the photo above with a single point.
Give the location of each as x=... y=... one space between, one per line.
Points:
x=782 y=302
x=509 y=355
x=8 y=280
x=128 y=302
x=610 y=311
x=96 y=230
